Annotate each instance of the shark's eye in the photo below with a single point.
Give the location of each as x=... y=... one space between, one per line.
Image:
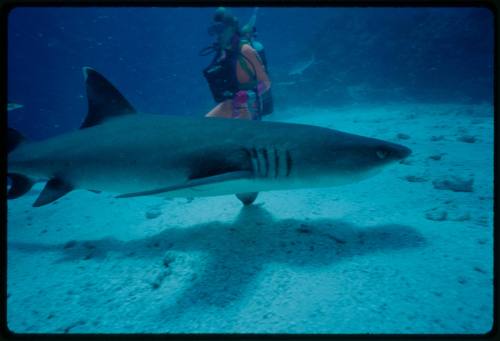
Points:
x=382 y=154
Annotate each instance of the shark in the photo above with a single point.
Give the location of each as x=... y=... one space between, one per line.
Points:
x=13 y=106
x=299 y=67
x=132 y=154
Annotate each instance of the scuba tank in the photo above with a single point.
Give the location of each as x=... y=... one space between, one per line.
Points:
x=266 y=102
x=264 y=97
x=222 y=80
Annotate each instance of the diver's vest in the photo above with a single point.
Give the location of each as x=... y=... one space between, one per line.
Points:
x=223 y=82
x=221 y=76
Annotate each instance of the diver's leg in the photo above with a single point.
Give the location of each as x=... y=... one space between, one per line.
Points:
x=223 y=109
x=247 y=198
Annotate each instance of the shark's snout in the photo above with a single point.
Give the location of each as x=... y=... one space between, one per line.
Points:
x=404 y=152
x=393 y=152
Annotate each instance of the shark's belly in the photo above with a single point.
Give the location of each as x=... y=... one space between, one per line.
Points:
x=127 y=179
x=235 y=186
x=110 y=172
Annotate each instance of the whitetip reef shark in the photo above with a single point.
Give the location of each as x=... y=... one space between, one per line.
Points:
x=135 y=154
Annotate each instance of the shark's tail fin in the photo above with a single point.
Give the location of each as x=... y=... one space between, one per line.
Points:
x=14 y=139
x=20 y=184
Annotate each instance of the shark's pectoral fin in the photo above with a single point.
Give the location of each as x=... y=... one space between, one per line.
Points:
x=104 y=100
x=191 y=184
x=53 y=190
x=20 y=185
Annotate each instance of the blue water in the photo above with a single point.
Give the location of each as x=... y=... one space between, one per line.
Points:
x=404 y=252
x=151 y=54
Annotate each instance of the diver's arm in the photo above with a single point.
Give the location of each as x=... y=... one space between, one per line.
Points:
x=260 y=71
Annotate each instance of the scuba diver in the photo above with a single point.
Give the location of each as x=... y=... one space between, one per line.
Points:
x=237 y=76
x=249 y=35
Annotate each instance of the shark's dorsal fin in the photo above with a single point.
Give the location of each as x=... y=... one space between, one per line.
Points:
x=53 y=190
x=193 y=183
x=104 y=100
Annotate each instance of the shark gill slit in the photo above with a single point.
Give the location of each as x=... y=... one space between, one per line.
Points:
x=276 y=163
x=252 y=160
x=288 y=163
x=255 y=161
x=262 y=162
x=266 y=159
x=271 y=155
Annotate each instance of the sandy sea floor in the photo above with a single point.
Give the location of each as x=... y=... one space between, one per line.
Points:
x=391 y=254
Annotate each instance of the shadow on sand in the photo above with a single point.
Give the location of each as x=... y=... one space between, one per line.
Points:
x=239 y=250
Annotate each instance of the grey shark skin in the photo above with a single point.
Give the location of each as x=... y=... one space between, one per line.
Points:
x=135 y=154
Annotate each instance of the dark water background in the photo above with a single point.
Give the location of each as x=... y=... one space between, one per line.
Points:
x=367 y=55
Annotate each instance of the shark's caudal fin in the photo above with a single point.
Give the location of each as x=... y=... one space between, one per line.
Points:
x=20 y=184
x=104 y=100
x=14 y=139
